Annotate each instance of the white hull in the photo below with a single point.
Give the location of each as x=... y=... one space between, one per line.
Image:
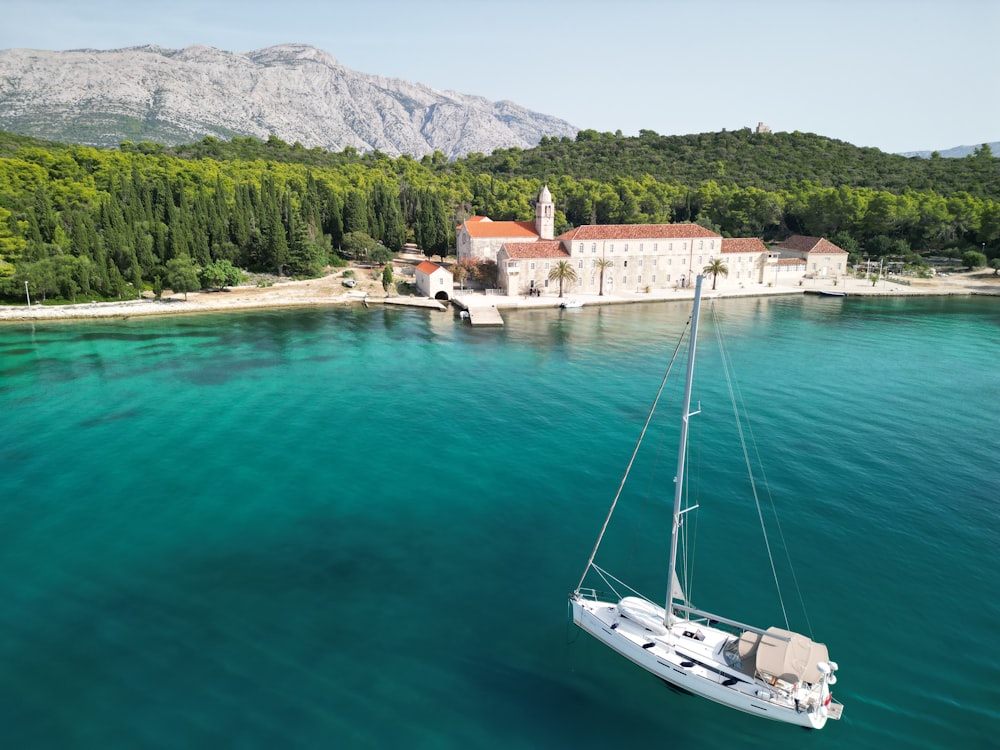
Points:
x=697 y=665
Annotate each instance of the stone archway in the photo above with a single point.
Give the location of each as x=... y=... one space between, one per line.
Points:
x=442 y=295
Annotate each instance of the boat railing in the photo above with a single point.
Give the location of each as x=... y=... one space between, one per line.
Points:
x=592 y=594
x=714 y=619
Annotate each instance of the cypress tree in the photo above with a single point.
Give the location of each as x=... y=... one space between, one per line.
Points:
x=356 y=212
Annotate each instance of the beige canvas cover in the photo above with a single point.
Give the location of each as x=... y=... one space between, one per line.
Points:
x=748 y=646
x=741 y=653
x=792 y=660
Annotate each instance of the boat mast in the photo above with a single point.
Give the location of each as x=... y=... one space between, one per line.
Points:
x=682 y=453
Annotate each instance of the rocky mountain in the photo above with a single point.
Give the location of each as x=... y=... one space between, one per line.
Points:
x=295 y=92
x=954 y=153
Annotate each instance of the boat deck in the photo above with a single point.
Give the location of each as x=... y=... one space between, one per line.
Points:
x=689 y=656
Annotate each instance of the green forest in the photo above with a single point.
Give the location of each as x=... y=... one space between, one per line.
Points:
x=79 y=223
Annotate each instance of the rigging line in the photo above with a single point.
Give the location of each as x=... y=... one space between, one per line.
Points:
x=635 y=451
x=774 y=512
x=746 y=457
x=653 y=483
x=691 y=534
x=777 y=519
x=605 y=575
x=695 y=465
x=781 y=532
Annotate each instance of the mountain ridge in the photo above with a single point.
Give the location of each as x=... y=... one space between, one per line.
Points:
x=956 y=152
x=295 y=92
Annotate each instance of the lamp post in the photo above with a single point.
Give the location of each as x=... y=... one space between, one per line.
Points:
x=26 y=294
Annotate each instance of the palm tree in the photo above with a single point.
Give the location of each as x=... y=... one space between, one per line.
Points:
x=715 y=267
x=562 y=271
x=603 y=263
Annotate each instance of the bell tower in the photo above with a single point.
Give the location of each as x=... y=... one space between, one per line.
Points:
x=545 y=214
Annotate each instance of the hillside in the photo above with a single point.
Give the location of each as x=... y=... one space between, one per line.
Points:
x=83 y=223
x=769 y=161
x=294 y=92
x=772 y=162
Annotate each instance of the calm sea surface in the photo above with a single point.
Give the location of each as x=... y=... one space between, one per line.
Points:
x=358 y=528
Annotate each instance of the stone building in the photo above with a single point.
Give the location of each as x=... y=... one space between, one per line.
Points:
x=822 y=258
x=633 y=257
x=434 y=281
x=480 y=238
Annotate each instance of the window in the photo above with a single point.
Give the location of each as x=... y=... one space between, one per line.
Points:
x=625 y=264
x=611 y=247
x=593 y=247
x=639 y=280
x=655 y=248
x=532 y=266
x=579 y=263
x=626 y=247
x=670 y=247
x=546 y=265
x=581 y=247
x=640 y=247
x=640 y=261
x=593 y=263
x=701 y=245
x=654 y=278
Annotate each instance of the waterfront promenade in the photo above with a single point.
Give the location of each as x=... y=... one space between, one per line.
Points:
x=329 y=290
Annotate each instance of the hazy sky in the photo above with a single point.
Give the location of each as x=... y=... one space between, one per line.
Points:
x=899 y=75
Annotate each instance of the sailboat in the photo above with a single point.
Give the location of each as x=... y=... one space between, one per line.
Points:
x=770 y=672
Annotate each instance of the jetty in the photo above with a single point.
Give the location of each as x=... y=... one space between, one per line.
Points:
x=485 y=316
x=479 y=315
x=424 y=302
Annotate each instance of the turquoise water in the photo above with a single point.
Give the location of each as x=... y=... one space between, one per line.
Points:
x=358 y=528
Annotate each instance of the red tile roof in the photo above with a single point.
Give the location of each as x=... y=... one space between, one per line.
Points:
x=800 y=243
x=428 y=267
x=473 y=219
x=499 y=229
x=637 y=232
x=540 y=249
x=743 y=245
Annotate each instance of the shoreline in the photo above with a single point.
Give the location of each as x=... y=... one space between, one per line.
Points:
x=329 y=291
